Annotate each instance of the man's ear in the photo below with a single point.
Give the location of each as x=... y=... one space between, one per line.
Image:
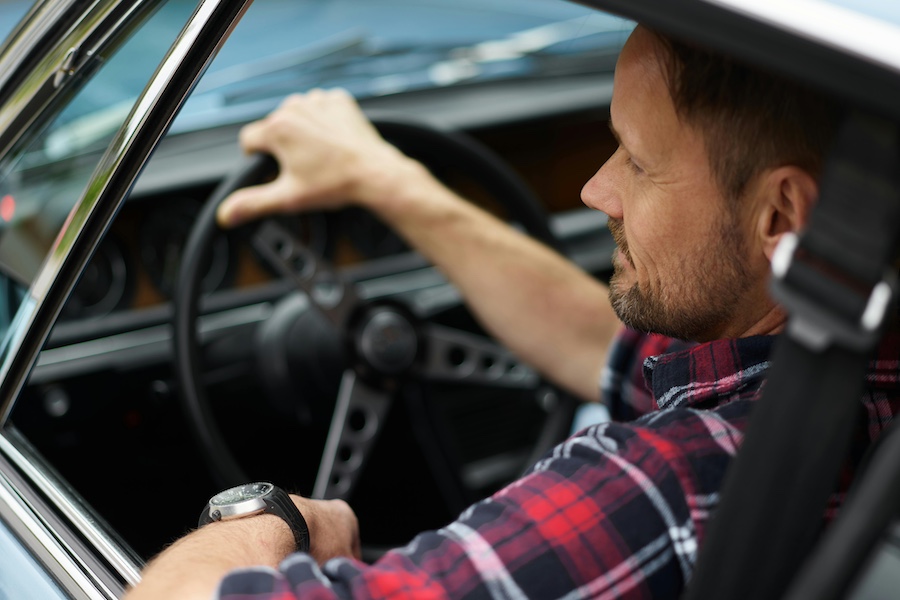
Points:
x=787 y=195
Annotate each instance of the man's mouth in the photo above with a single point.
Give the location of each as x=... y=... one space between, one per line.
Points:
x=617 y=228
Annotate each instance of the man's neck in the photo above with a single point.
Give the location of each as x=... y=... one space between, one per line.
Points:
x=770 y=323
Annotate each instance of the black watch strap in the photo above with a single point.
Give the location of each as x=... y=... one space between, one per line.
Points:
x=280 y=503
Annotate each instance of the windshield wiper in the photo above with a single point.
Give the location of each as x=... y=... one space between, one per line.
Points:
x=538 y=42
x=329 y=51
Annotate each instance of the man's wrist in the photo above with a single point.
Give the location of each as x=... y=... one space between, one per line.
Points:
x=391 y=185
x=333 y=528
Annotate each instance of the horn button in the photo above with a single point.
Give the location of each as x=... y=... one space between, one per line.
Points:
x=387 y=340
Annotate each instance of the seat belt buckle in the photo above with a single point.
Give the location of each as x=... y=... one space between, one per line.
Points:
x=827 y=307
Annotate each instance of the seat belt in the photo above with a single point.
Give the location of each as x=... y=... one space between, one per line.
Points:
x=837 y=283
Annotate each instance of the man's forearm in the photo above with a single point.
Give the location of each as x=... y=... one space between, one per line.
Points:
x=544 y=308
x=193 y=566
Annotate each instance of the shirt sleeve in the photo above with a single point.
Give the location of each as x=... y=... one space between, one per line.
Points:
x=604 y=515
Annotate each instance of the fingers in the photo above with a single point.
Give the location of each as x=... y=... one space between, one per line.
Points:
x=257 y=201
x=318 y=115
x=333 y=102
x=324 y=145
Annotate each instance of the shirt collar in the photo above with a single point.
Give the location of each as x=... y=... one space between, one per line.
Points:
x=709 y=374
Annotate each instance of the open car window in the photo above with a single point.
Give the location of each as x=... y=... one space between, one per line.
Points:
x=44 y=177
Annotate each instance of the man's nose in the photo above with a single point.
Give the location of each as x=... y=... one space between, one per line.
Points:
x=603 y=191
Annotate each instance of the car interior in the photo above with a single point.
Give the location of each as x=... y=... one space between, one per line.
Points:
x=103 y=403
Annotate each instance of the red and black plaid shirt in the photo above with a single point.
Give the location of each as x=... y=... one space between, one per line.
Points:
x=616 y=511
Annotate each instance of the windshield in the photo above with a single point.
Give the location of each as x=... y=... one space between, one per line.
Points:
x=372 y=48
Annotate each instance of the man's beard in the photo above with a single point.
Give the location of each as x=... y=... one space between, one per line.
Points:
x=692 y=304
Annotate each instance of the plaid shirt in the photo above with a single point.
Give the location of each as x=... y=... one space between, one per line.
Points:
x=616 y=511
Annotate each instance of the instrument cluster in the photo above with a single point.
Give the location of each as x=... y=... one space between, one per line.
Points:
x=136 y=266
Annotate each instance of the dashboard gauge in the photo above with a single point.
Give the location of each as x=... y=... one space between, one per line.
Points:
x=162 y=238
x=105 y=284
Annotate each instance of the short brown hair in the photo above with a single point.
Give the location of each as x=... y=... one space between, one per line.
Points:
x=750 y=119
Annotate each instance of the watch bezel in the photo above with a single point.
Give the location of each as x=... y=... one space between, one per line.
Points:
x=242 y=508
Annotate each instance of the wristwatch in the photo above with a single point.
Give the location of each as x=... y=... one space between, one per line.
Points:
x=256 y=499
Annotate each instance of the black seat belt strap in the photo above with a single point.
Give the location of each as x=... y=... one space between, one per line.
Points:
x=837 y=283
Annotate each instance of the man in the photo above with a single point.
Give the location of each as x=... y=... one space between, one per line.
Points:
x=715 y=163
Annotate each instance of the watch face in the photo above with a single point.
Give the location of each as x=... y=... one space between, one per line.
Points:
x=241 y=493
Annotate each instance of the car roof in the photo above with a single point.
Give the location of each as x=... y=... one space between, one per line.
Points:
x=868 y=30
x=849 y=48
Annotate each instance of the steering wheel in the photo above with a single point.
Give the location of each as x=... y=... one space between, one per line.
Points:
x=390 y=346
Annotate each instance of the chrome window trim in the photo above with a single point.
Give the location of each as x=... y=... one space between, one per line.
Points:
x=35 y=31
x=59 y=560
x=75 y=53
x=74 y=511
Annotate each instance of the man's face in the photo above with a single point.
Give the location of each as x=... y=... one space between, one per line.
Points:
x=681 y=266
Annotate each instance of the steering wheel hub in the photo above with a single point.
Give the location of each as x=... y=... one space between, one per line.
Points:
x=387 y=341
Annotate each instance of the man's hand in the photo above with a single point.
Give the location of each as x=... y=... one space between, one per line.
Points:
x=193 y=566
x=329 y=154
x=333 y=528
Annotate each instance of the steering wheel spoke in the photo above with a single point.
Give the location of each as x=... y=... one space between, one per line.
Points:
x=327 y=291
x=457 y=356
x=358 y=419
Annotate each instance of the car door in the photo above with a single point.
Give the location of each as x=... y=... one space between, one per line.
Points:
x=69 y=153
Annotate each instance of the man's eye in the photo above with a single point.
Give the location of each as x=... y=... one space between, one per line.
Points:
x=633 y=166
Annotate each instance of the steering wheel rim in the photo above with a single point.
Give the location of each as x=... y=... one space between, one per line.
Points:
x=498 y=179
